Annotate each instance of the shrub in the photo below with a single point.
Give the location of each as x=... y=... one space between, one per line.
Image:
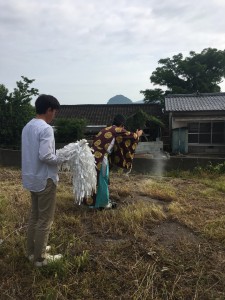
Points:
x=69 y=130
x=211 y=169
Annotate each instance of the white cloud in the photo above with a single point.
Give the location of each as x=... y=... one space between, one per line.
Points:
x=89 y=51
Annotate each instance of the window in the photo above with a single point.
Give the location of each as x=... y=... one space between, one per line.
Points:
x=206 y=133
x=193 y=127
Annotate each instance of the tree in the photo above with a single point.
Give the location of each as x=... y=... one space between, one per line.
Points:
x=69 y=130
x=200 y=72
x=142 y=120
x=15 y=111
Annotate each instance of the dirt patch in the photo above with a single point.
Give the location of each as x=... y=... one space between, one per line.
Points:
x=137 y=197
x=161 y=202
x=170 y=233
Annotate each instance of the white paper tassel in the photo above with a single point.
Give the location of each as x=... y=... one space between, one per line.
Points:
x=80 y=162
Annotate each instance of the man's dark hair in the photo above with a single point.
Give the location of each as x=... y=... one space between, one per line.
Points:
x=44 y=102
x=119 y=120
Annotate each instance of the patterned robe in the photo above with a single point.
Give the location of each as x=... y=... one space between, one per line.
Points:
x=123 y=150
x=122 y=154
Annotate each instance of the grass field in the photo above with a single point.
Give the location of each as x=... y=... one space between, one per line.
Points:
x=165 y=241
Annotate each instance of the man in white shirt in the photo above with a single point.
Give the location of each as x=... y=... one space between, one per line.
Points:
x=40 y=177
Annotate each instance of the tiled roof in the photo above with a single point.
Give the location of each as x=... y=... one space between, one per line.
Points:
x=195 y=102
x=103 y=114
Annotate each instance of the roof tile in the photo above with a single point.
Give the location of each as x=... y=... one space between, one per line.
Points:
x=103 y=114
x=195 y=102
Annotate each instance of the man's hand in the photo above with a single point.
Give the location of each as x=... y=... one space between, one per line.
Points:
x=139 y=132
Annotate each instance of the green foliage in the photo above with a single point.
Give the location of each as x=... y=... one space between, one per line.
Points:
x=69 y=130
x=15 y=111
x=202 y=72
x=139 y=120
x=56 y=269
x=23 y=93
x=210 y=169
x=156 y=121
x=81 y=261
x=153 y=96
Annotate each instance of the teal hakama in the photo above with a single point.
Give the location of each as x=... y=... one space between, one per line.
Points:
x=102 y=197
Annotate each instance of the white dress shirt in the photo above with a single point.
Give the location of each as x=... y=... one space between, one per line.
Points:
x=39 y=161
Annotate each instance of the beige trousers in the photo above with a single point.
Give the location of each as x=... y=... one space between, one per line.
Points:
x=41 y=219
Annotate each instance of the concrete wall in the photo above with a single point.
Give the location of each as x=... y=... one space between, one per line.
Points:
x=206 y=149
x=10 y=158
x=155 y=166
x=159 y=166
x=149 y=147
x=178 y=124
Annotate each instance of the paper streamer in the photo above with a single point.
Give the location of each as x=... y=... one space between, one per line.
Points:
x=79 y=160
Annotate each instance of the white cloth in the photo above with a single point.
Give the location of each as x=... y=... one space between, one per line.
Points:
x=105 y=158
x=110 y=148
x=39 y=161
x=80 y=161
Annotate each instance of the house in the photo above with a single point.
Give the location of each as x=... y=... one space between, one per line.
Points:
x=100 y=115
x=196 y=122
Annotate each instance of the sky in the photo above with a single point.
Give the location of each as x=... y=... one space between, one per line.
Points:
x=87 y=51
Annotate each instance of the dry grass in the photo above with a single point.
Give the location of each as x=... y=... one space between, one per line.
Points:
x=165 y=241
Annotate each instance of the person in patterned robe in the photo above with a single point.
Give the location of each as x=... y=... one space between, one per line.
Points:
x=118 y=145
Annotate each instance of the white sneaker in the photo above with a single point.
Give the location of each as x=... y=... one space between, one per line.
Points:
x=31 y=257
x=48 y=248
x=48 y=259
x=111 y=205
